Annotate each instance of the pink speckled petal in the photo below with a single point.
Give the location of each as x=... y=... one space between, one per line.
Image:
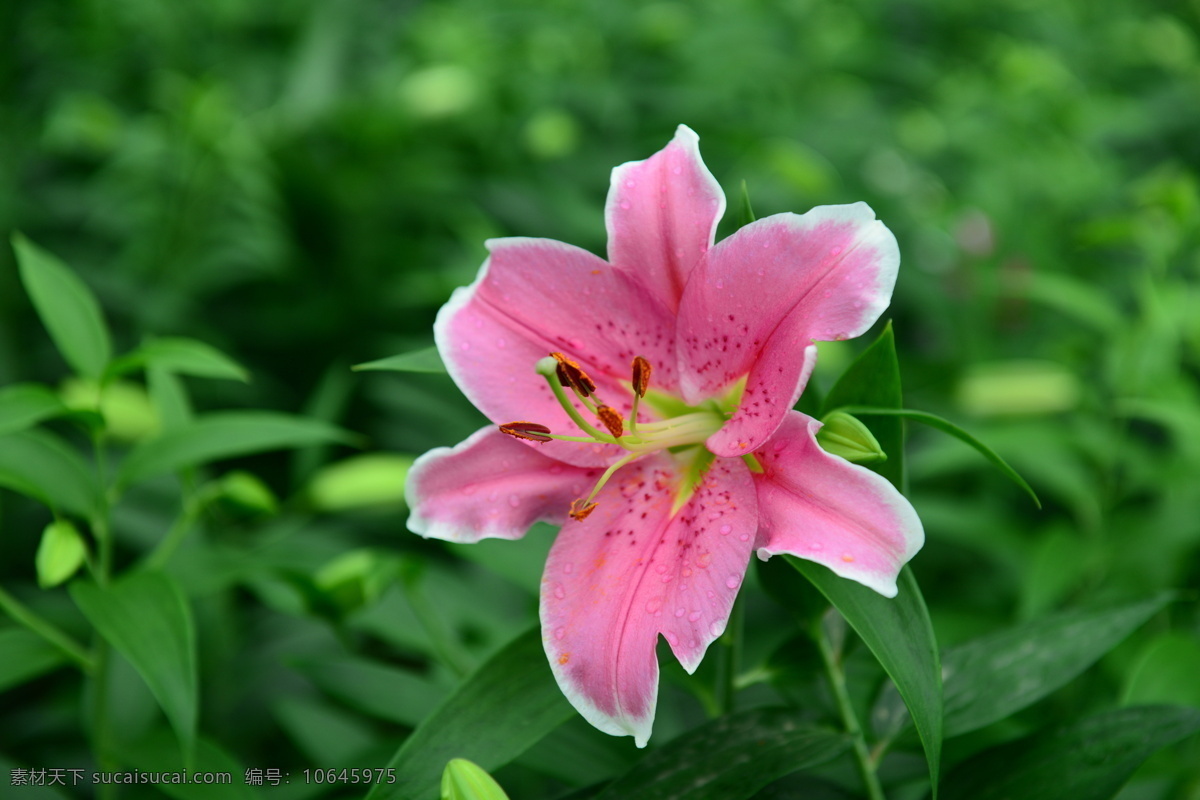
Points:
x=768 y=291
x=630 y=572
x=490 y=486
x=661 y=215
x=534 y=297
x=823 y=508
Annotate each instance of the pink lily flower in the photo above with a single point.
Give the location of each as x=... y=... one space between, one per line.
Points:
x=652 y=395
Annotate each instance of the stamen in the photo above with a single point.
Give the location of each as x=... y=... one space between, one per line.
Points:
x=580 y=509
x=641 y=376
x=526 y=430
x=611 y=419
x=572 y=375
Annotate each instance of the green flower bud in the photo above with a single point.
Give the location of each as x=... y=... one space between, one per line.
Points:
x=464 y=780
x=60 y=553
x=845 y=436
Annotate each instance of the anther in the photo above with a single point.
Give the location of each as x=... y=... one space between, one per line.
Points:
x=641 y=376
x=580 y=510
x=526 y=430
x=570 y=374
x=611 y=419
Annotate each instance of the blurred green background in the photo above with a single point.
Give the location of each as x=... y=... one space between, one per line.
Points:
x=302 y=184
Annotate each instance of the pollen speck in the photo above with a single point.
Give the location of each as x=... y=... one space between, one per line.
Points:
x=847 y=558
x=564 y=658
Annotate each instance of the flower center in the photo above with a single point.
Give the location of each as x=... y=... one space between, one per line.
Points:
x=681 y=426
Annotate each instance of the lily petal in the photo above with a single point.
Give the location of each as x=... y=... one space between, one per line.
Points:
x=661 y=216
x=770 y=290
x=537 y=296
x=490 y=486
x=822 y=508
x=632 y=571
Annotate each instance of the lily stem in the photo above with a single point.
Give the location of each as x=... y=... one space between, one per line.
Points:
x=837 y=684
x=729 y=661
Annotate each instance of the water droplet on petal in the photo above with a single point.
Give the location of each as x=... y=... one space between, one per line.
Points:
x=514 y=501
x=837 y=251
x=676 y=170
x=726 y=530
x=625 y=205
x=559 y=591
x=720 y=284
x=745 y=537
x=469 y=488
x=672 y=639
x=660 y=568
x=716 y=628
x=568 y=568
x=779 y=446
x=559 y=633
x=465 y=345
x=694 y=616
x=679 y=612
x=733 y=581
x=653 y=604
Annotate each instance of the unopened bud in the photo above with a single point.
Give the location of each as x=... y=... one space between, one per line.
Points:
x=464 y=780
x=845 y=436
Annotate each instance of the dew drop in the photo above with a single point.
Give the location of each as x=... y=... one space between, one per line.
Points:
x=469 y=488
x=704 y=560
x=714 y=515
x=672 y=639
x=667 y=578
x=629 y=184
x=779 y=445
x=679 y=612
x=694 y=616
x=733 y=581
x=568 y=568
x=837 y=251
x=514 y=501
x=560 y=592
x=465 y=345
x=816 y=546
x=716 y=628
x=745 y=537
x=559 y=633
x=676 y=170
x=653 y=604
x=660 y=568
x=726 y=530
x=625 y=205
x=720 y=284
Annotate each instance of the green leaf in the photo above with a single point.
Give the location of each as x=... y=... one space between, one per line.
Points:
x=66 y=306
x=374 y=688
x=182 y=357
x=1089 y=759
x=989 y=678
x=934 y=421
x=147 y=619
x=426 y=360
x=492 y=717
x=25 y=405
x=898 y=631
x=60 y=553
x=39 y=465
x=729 y=758
x=156 y=752
x=1166 y=672
x=222 y=435
x=169 y=396
x=874 y=380
x=24 y=655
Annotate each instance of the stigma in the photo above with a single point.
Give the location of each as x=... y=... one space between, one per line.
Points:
x=677 y=427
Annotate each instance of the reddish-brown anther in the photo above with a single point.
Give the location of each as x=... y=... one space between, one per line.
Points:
x=579 y=511
x=611 y=419
x=570 y=374
x=526 y=430
x=641 y=376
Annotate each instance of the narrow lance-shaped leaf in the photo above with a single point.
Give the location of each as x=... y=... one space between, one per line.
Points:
x=66 y=306
x=934 y=421
x=25 y=405
x=40 y=465
x=994 y=676
x=184 y=357
x=24 y=655
x=1088 y=759
x=426 y=360
x=224 y=435
x=493 y=716
x=147 y=619
x=729 y=758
